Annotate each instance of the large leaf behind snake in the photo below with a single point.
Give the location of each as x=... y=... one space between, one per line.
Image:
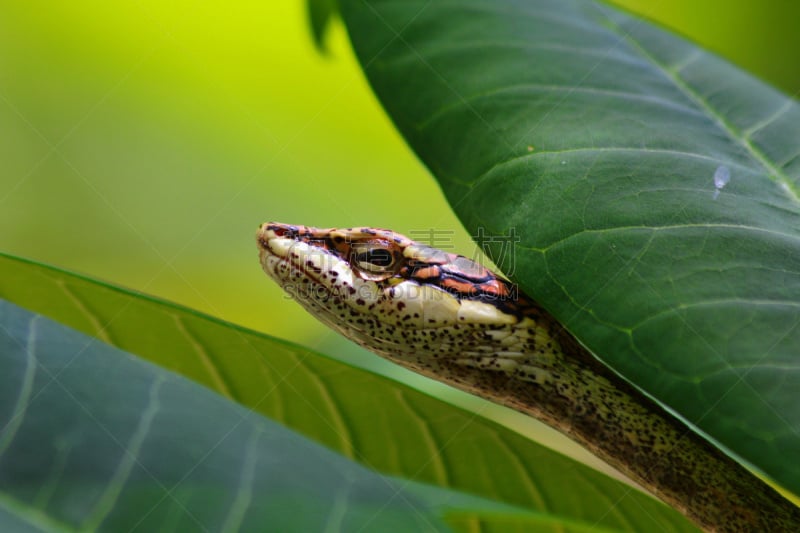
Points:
x=596 y=137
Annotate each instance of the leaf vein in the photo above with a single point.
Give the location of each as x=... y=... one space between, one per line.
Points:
x=205 y=358
x=129 y=458
x=8 y=432
x=624 y=95
x=610 y=149
x=526 y=477
x=244 y=496
x=662 y=228
x=100 y=331
x=435 y=458
x=711 y=303
x=749 y=132
x=31 y=515
x=775 y=173
x=338 y=425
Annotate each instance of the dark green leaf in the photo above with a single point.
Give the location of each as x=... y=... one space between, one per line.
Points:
x=95 y=438
x=383 y=424
x=597 y=137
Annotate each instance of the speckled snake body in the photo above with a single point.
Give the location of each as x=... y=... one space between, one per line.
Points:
x=451 y=319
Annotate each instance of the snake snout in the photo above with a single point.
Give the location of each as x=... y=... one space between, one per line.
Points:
x=281 y=230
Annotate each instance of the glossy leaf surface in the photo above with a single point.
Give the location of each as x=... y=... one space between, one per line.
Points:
x=649 y=189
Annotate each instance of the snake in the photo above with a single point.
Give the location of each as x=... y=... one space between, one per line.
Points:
x=451 y=319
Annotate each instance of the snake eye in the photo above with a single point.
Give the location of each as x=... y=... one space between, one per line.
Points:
x=377 y=259
x=374 y=261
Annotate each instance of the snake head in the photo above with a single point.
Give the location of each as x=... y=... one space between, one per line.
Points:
x=395 y=296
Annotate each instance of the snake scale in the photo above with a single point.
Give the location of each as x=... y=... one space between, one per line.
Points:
x=451 y=319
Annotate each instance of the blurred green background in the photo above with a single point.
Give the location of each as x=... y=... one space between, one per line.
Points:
x=143 y=142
